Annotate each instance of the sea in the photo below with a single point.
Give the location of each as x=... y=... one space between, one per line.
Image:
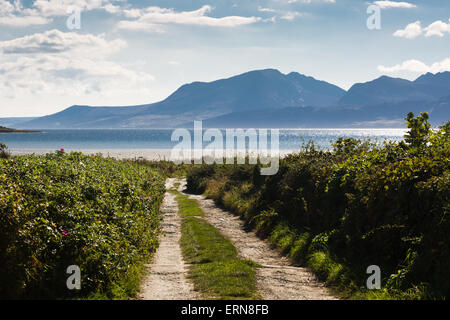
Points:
x=160 y=139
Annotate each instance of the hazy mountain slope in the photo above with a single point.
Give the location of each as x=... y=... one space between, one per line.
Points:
x=84 y=117
x=314 y=92
x=394 y=90
x=272 y=99
x=251 y=91
x=436 y=85
x=13 y=122
x=380 y=115
x=383 y=89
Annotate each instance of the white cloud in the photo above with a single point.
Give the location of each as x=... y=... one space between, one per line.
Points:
x=413 y=30
x=283 y=14
x=152 y=19
x=23 y=21
x=310 y=1
x=132 y=13
x=141 y=26
x=6 y=7
x=437 y=28
x=261 y=9
x=11 y=15
x=417 y=66
x=291 y=15
x=42 y=11
x=55 y=62
x=394 y=4
x=51 y=8
x=110 y=8
x=55 y=41
x=62 y=75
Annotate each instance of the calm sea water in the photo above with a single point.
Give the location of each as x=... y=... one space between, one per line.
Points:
x=140 y=139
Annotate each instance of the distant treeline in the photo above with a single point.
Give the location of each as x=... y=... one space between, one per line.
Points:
x=358 y=205
x=8 y=130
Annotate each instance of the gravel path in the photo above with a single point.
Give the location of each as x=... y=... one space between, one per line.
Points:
x=278 y=279
x=167 y=276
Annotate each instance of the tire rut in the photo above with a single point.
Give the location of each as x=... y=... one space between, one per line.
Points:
x=278 y=278
x=167 y=274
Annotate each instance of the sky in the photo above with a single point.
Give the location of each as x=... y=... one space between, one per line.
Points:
x=58 y=53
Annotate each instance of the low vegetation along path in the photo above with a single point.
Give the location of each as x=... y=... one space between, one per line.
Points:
x=277 y=278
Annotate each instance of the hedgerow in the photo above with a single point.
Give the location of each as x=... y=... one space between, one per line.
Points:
x=65 y=209
x=359 y=204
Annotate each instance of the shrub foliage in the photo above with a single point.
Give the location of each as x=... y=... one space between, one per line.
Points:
x=356 y=205
x=64 y=209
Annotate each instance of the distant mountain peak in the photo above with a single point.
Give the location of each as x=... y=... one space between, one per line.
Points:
x=252 y=91
x=385 y=89
x=268 y=95
x=433 y=77
x=299 y=75
x=268 y=70
x=389 y=79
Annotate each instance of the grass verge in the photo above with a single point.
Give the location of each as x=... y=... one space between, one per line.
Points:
x=187 y=207
x=216 y=270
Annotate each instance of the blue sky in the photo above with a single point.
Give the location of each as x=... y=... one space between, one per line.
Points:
x=129 y=52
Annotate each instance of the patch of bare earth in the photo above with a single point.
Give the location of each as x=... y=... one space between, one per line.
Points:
x=167 y=275
x=279 y=278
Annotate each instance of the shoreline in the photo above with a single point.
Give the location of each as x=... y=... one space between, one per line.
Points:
x=121 y=154
x=6 y=130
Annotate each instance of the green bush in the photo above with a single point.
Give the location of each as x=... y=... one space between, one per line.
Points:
x=4 y=154
x=198 y=178
x=359 y=204
x=64 y=209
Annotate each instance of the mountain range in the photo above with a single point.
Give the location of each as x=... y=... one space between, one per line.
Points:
x=269 y=98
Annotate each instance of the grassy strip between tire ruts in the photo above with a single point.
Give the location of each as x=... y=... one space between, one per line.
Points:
x=215 y=270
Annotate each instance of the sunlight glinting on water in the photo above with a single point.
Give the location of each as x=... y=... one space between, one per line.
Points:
x=139 y=139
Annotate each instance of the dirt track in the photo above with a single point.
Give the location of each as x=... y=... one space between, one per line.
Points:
x=277 y=279
x=167 y=277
